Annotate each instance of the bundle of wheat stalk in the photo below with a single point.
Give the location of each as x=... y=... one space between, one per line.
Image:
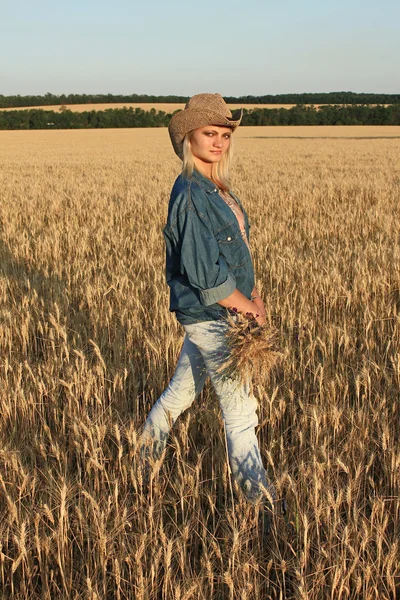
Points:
x=253 y=348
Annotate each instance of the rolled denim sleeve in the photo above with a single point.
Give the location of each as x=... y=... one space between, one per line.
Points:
x=200 y=258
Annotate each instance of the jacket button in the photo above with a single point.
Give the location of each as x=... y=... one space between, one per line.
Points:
x=228 y=239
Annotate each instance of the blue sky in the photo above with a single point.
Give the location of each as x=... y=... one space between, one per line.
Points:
x=183 y=47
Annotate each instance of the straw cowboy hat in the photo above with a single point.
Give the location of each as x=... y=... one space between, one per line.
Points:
x=201 y=110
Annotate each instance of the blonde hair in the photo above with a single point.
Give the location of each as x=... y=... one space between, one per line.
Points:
x=220 y=170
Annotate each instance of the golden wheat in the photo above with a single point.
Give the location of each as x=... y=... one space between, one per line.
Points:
x=87 y=345
x=166 y=107
x=253 y=349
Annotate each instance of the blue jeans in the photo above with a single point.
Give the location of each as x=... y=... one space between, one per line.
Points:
x=204 y=349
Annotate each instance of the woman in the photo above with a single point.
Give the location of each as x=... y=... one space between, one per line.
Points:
x=209 y=270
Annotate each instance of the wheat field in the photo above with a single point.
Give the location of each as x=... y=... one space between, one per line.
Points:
x=167 y=107
x=88 y=344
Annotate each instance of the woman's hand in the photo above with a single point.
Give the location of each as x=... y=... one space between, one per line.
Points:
x=256 y=299
x=238 y=302
x=261 y=319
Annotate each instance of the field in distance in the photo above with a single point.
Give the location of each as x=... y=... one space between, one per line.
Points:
x=166 y=107
x=77 y=142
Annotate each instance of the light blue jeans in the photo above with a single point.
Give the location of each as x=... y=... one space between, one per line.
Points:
x=204 y=350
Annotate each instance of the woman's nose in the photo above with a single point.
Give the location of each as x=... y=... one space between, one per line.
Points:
x=217 y=142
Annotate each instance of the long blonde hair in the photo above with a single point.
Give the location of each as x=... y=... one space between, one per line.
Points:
x=220 y=170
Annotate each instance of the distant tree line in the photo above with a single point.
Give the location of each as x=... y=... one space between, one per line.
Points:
x=325 y=115
x=130 y=117
x=306 y=98
x=92 y=119
x=322 y=98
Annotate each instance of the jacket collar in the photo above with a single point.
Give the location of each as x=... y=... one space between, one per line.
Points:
x=204 y=182
x=210 y=187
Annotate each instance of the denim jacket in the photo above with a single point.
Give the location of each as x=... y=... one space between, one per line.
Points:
x=206 y=256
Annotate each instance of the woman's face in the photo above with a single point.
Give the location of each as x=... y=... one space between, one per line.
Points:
x=208 y=144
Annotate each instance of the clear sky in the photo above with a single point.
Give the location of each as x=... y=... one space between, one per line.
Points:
x=185 y=47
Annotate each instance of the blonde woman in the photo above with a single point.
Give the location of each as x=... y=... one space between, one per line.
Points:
x=209 y=270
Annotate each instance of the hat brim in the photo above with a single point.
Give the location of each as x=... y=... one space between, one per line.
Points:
x=189 y=119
